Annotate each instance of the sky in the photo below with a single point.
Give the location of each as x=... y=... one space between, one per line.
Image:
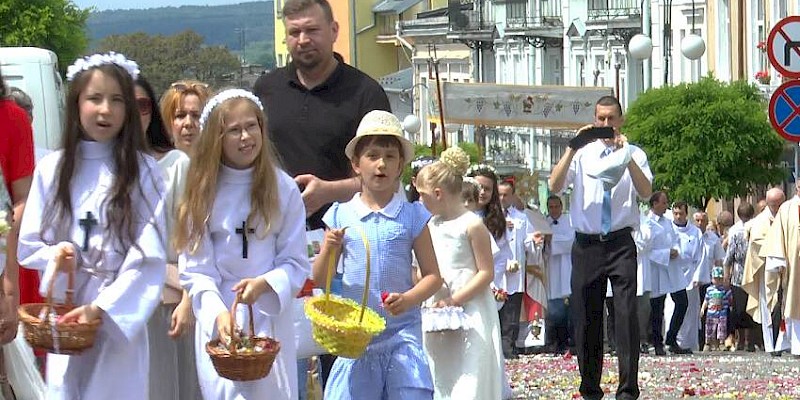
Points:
x=101 y=5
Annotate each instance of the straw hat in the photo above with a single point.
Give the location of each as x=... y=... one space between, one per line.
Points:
x=381 y=123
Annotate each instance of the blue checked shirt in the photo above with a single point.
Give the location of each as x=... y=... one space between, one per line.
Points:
x=391 y=232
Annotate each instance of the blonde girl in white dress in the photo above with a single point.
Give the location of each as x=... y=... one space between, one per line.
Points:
x=466 y=363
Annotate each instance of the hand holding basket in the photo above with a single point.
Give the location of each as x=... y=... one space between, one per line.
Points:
x=253 y=361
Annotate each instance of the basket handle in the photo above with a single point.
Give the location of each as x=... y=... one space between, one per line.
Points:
x=70 y=290
x=234 y=341
x=332 y=267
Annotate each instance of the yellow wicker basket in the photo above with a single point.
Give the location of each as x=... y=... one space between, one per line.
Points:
x=342 y=326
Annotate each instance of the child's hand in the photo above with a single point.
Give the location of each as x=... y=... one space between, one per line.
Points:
x=538 y=238
x=446 y=303
x=65 y=257
x=334 y=238
x=82 y=314
x=396 y=304
x=182 y=319
x=251 y=288
x=224 y=320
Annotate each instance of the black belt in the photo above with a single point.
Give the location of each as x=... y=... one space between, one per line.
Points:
x=594 y=238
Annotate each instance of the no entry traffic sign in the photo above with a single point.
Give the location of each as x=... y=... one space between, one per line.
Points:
x=784 y=110
x=783 y=46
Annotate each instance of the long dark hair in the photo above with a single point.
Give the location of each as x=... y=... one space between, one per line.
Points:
x=157 y=137
x=127 y=152
x=493 y=216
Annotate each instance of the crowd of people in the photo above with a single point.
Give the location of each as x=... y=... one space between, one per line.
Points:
x=158 y=213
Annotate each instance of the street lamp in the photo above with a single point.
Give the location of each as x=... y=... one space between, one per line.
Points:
x=411 y=124
x=641 y=46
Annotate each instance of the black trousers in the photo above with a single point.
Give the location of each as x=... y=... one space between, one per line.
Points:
x=509 y=323
x=594 y=262
x=657 y=317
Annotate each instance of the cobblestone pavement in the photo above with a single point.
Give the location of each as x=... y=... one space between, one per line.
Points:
x=717 y=375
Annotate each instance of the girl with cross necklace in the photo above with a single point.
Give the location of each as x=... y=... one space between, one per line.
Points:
x=241 y=232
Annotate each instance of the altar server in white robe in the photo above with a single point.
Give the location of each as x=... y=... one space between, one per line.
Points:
x=83 y=216
x=690 y=260
x=558 y=272
x=241 y=231
x=665 y=276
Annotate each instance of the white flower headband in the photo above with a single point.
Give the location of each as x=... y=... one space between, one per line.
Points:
x=224 y=96
x=96 y=60
x=478 y=168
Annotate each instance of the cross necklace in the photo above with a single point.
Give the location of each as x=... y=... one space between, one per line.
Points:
x=87 y=224
x=244 y=231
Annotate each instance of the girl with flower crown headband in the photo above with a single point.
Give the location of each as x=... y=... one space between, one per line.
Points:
x=466 y=363
x=241 y=232
x=95 y=209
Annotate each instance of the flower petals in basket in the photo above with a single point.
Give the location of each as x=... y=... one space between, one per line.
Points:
x=42 y=331
x=245 y=358
x=449 y=318
x=341 y=326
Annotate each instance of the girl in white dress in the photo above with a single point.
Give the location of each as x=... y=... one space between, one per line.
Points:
x=241 y=230
x=96 y=208
x=466 y=363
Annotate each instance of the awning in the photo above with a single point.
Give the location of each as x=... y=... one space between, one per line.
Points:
x=394 y=6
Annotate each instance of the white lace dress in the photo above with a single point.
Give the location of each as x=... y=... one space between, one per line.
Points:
x=466 y=364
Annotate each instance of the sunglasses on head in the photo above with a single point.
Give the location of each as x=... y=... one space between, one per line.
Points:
x=145 y=105
x=181 y=86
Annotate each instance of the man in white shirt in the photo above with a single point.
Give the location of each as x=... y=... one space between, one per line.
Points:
x=519 y=232
x=604 y=249
x=558 y=250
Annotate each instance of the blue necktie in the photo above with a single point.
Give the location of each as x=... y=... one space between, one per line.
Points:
x=605 y=219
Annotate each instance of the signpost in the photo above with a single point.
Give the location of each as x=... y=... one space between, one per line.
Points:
x=783 y=47
x=783 y=50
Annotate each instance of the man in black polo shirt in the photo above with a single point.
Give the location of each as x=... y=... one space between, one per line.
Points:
x=314 y=105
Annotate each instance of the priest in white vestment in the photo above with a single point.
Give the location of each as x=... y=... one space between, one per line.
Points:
x=782 y=252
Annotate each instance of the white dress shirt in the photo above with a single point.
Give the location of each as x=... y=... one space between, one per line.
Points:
x=586 y=202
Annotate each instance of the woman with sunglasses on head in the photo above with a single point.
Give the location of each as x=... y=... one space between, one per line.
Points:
x=181 y=106
x=173 y=374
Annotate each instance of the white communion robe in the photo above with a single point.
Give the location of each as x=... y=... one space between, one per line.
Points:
x=520 y=241
x=664 y=277
x=125 y=283
x=279 y=256
x=689 y=260
x=559 y=253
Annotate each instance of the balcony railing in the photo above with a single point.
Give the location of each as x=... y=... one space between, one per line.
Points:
x=520 y=15
x=470 y=20
x=614 y=9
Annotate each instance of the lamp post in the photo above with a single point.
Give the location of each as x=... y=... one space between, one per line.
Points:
x=641 y=46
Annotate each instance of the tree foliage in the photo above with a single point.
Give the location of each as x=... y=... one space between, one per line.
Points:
x=165 y=59
x=57 y=25
x=706 y=140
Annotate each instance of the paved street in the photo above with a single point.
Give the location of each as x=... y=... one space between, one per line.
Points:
x=737 y=375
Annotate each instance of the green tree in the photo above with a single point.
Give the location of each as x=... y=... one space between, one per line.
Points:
x=706 y=140
x=57 y=25
x=261 y=52
x=165 y=59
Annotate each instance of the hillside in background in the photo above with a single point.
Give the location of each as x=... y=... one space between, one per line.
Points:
x=219 y=25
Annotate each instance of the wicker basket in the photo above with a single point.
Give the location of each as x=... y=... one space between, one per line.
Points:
x=63 y=338
x=342 y=326
x=230 y=364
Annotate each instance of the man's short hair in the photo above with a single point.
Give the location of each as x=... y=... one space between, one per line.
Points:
x=294 y=7
x=553 y=197
x=609 y=101
x=681 y=205
x=656 y=197
x=745 y=210
x=509 y=184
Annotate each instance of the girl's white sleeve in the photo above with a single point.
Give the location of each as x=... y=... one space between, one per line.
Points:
x=291 y=266
x=201 y=278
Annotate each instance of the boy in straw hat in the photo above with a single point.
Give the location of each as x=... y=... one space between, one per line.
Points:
x=394 y=364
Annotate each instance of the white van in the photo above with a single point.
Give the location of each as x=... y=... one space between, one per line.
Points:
x=35 y=71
